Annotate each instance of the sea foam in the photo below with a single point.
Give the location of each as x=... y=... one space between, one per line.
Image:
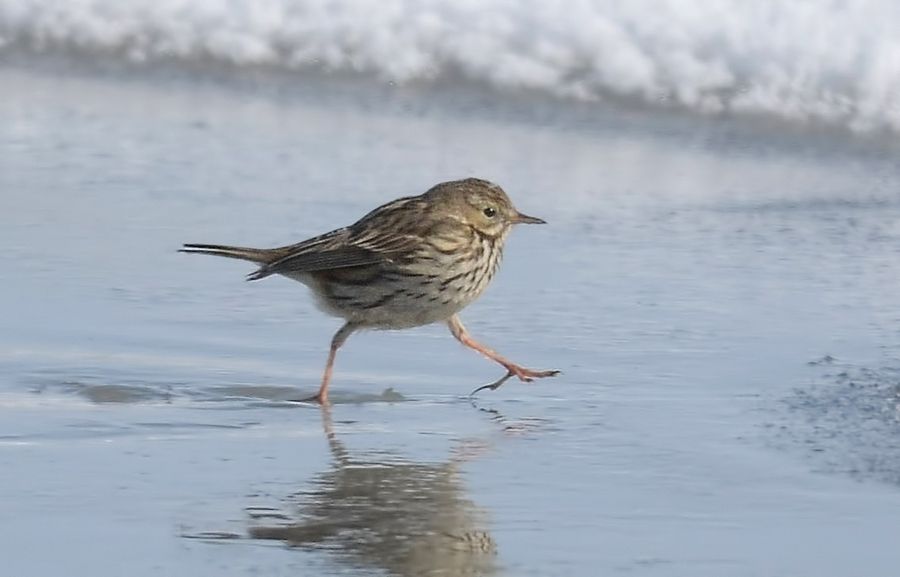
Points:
x=814 y=61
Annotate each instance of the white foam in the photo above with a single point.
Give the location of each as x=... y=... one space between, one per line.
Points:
x=804 y=60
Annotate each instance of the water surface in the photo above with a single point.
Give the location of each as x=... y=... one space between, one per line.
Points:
x=721 y=301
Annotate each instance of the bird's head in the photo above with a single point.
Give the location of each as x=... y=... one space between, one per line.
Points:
x=484 y=206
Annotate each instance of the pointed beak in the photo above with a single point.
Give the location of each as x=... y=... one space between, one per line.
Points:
x=520 y=218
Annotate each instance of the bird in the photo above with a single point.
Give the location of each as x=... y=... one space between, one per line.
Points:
x=414 y=261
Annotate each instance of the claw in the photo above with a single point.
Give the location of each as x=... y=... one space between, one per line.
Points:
x=528 y=375
x=495 y=385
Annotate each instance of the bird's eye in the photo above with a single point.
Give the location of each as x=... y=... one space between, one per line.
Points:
x=489 y=212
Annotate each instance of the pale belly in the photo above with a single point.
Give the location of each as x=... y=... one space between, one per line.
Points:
x=399 y=308
x=396 y=301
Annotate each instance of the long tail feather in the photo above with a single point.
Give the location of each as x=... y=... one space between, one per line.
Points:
x=259 y=256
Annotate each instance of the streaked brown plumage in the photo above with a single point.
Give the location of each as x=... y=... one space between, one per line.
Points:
x=411 y=262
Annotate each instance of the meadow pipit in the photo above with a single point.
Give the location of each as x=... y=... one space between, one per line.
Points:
x=411 y=262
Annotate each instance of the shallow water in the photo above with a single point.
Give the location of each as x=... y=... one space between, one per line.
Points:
x=721 y=301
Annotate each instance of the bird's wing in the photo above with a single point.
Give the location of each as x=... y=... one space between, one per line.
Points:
x=342 y=248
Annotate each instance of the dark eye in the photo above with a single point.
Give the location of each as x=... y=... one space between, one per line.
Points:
x=489 y=212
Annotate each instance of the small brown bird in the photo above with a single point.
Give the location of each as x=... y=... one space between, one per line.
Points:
x=411 y=262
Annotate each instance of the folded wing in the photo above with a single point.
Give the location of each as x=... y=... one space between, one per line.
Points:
x=343 y=248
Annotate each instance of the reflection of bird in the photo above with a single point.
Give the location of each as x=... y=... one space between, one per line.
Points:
x=409 y=519
x=411 y=262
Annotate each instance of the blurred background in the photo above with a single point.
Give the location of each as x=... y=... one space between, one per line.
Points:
x=716 y=282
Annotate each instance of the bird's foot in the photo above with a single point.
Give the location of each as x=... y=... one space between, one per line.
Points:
x=523 y=374
x=493 y=386
x=528 y=375
x=318 y=399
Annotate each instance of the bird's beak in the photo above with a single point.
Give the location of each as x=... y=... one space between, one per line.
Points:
x=520 y=218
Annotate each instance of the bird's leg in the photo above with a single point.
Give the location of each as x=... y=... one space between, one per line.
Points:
x=339 y=338
x=513 y=370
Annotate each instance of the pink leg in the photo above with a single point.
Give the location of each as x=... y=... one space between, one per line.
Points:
x=513 y=370
x=336 y=342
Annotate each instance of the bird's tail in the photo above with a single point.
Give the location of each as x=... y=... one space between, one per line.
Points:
x=257 y=255
x=260 y=256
